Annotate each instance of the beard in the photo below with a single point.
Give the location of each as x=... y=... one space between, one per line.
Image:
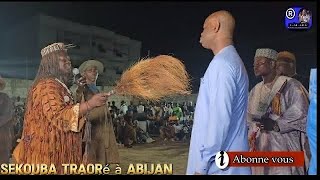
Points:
x=67 y=78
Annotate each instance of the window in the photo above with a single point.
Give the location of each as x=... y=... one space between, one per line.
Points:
x=119 y=71
x=60 y=36
x=117 y=53
x=72 y=38
x=101 y=48
x=121 y=50
x=67 y=41
x=102 y=44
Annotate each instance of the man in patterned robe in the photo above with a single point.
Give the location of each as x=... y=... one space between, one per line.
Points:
x=53 y=120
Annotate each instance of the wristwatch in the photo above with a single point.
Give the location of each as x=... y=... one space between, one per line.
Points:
x=276 y=127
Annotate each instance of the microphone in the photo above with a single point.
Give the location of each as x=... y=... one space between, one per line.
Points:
x=76 y=75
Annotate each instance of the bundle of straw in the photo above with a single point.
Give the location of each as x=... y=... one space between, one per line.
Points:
x=154 y=78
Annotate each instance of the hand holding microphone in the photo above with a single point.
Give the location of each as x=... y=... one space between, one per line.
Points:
x=96 y=100
x=78 y=79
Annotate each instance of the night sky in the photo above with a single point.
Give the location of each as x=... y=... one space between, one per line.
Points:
x=174 y=28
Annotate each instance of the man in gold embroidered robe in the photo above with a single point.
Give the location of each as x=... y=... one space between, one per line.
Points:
x=277 y=112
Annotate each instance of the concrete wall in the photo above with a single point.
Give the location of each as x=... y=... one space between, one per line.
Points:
x=17 y=87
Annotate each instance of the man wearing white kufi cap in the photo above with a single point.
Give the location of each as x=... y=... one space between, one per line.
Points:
x=100 y=145
x=53 y=120
x=266 y=53
x=277 y=112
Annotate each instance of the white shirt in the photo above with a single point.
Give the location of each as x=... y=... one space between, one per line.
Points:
x=124 y=109
x=170 y=111
x=140 y=109
x=177 y=128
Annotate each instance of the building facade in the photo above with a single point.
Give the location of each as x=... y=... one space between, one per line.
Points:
x=21 y=46
x=20 y=54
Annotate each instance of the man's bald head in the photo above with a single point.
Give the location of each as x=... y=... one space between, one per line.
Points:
x=217 y=31
x=225 y=20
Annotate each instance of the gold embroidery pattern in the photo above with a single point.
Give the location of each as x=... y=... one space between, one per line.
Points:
x=47 y=136
x=75 y=118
